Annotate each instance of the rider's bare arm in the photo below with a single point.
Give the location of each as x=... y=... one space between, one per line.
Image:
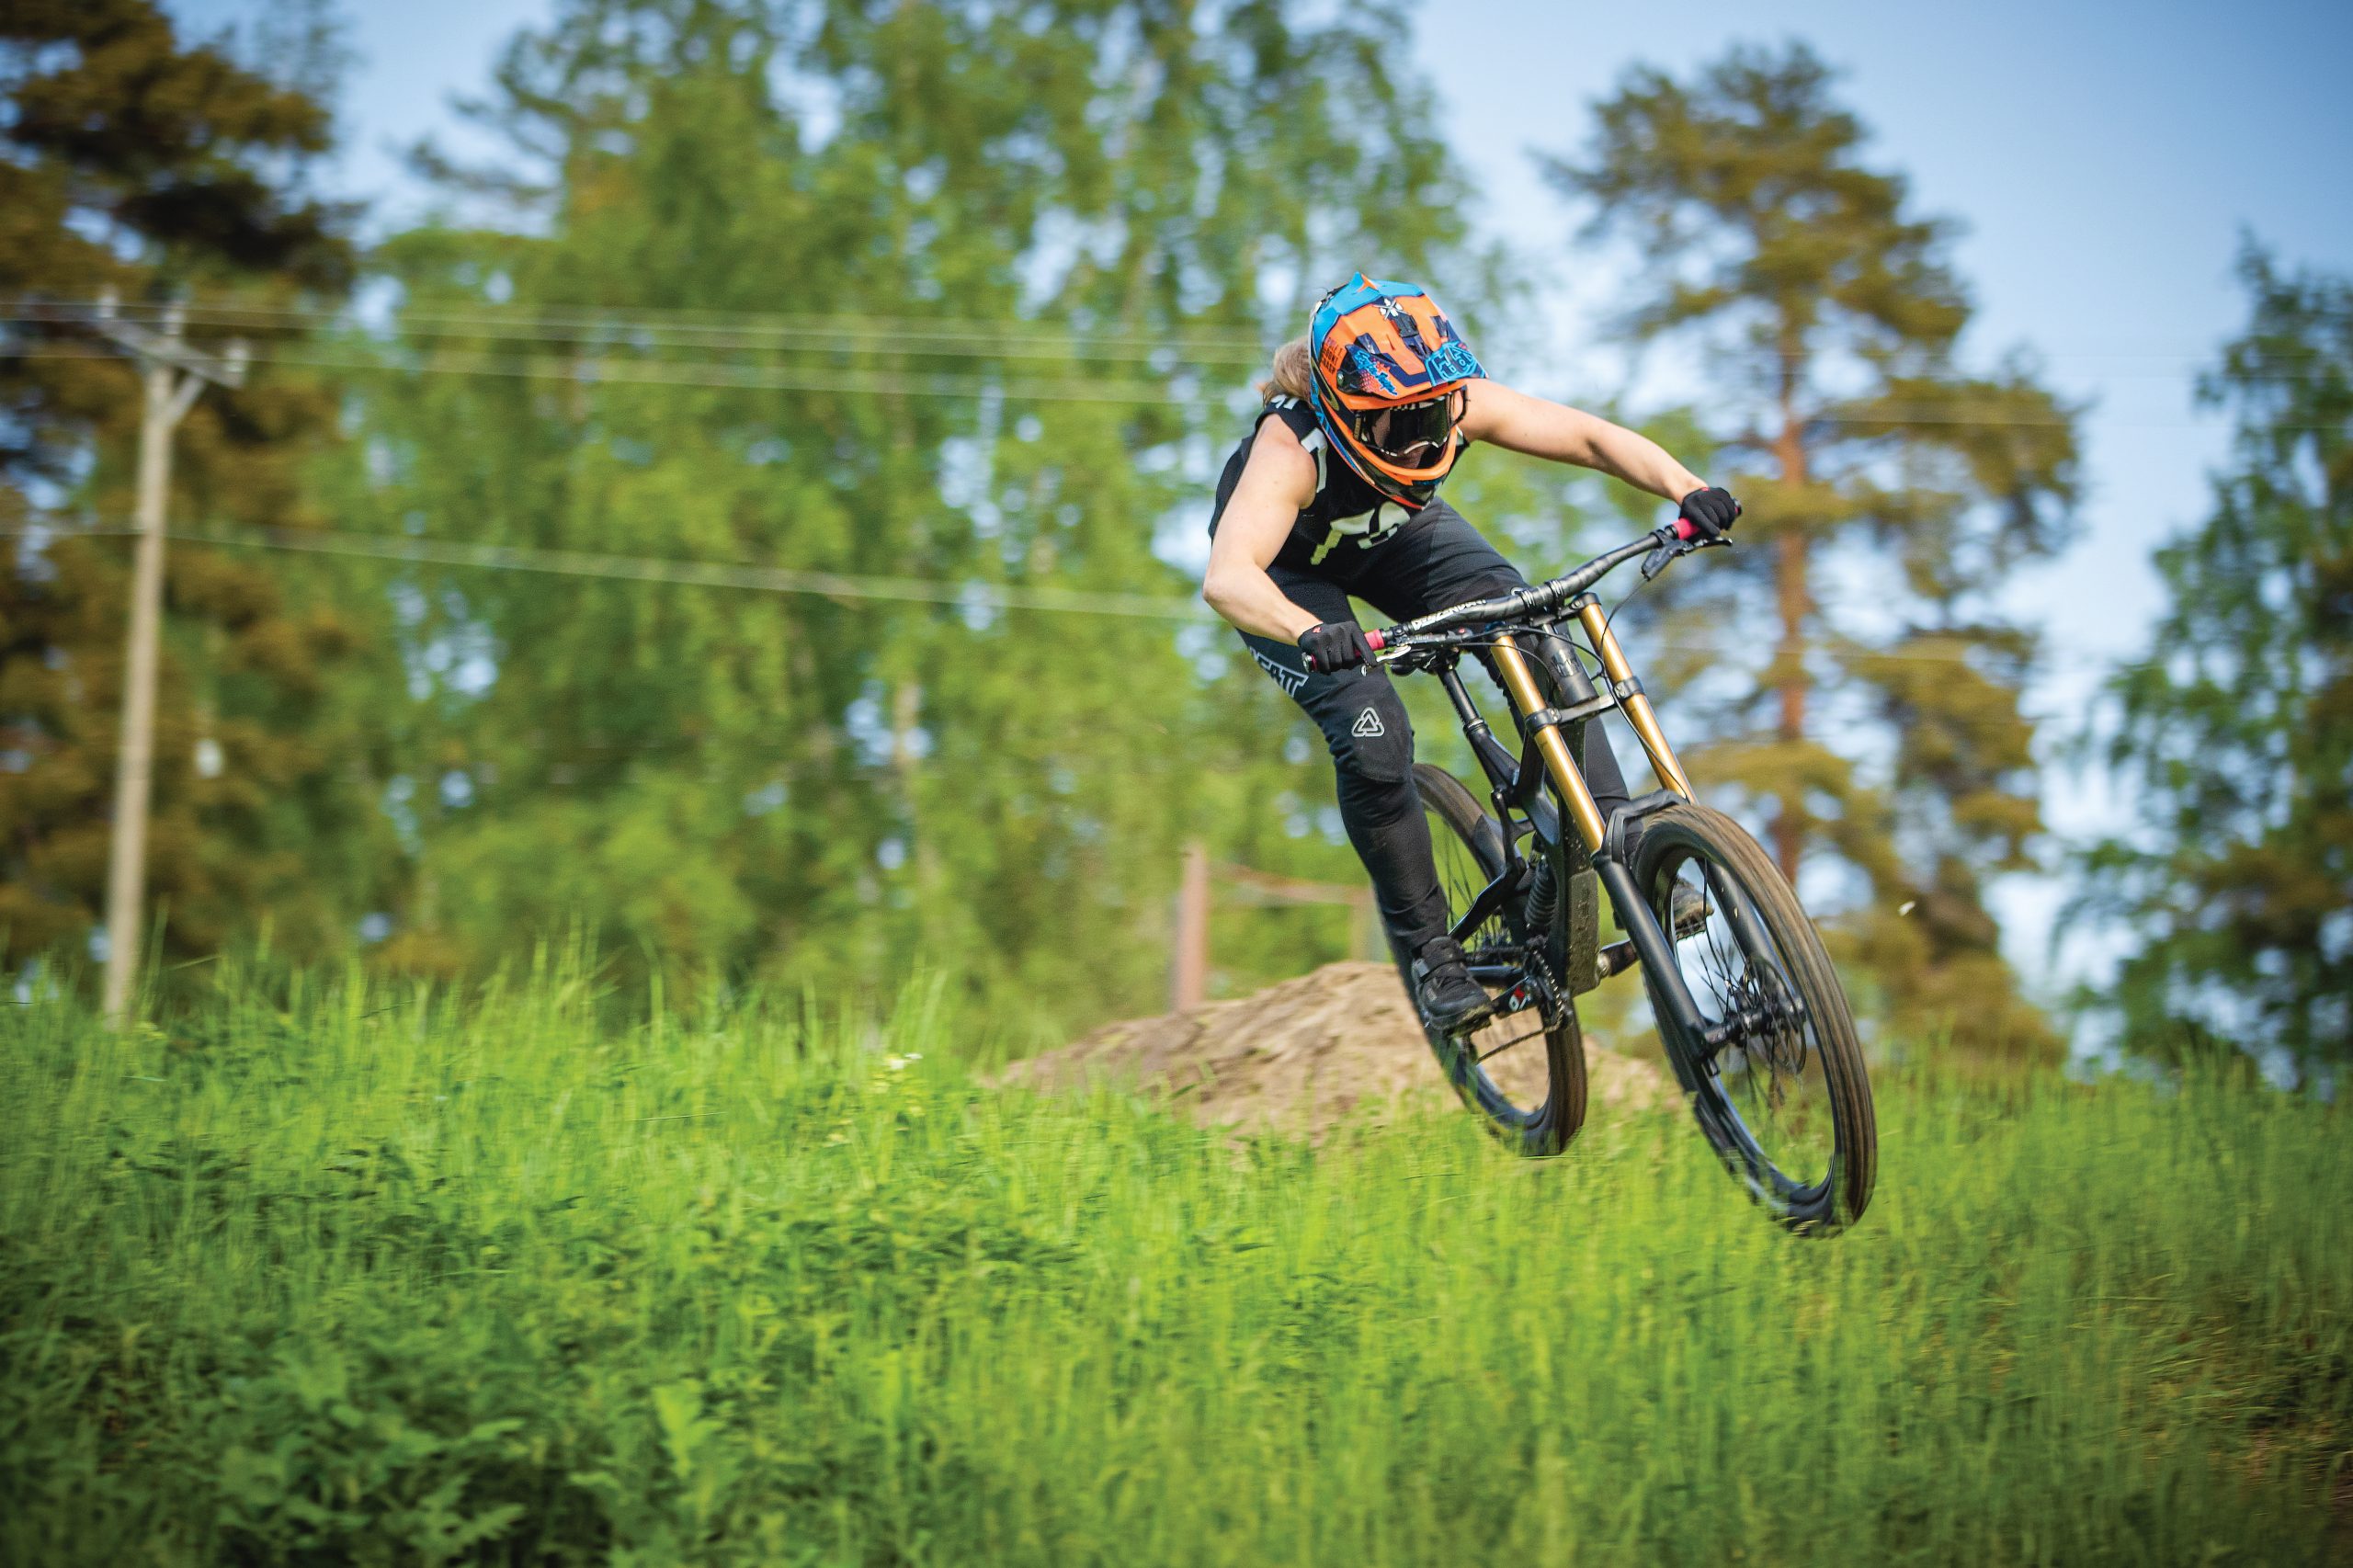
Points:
x=1545 y=429
x=1276 y=484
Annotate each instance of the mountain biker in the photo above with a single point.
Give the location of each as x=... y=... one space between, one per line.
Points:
x=1383 y=382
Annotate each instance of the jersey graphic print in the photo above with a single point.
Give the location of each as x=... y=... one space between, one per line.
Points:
x=1369 y=528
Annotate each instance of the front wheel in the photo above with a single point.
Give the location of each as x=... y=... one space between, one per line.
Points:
x=1522 y=1071
x=1777 y=1077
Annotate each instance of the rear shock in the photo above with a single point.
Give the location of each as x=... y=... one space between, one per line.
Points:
x=1543 y=896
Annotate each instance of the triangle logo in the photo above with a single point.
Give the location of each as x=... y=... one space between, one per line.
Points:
x=1367 y=723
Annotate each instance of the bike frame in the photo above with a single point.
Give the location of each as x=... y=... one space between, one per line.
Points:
x=1491 y=626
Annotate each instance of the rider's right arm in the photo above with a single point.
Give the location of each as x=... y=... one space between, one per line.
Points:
x=1276 y=482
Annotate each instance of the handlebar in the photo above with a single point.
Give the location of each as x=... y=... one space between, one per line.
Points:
x=1662 y=544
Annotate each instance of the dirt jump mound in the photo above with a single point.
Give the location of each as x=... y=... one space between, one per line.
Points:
x=1299 y=1055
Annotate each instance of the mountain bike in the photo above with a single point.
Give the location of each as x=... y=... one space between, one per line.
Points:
x=1748 y=1007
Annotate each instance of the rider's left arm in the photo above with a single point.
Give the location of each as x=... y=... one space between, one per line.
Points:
x=1543 y=429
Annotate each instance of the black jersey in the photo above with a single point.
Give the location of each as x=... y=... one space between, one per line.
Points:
x=1346 y=513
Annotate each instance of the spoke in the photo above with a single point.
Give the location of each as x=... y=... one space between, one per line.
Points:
x=1759 y=1073
x=1515 y=1039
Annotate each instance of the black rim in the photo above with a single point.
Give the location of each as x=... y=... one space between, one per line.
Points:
x=1760 y=1090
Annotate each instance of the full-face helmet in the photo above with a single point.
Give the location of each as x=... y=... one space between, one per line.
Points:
x=1388 y=386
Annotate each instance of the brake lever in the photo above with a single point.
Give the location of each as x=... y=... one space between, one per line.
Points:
x=1666 y=555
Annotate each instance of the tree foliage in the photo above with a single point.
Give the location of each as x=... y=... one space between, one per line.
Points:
x=1009 y=197
x=2235 y=732
x=1868 y=688
x=132 y=159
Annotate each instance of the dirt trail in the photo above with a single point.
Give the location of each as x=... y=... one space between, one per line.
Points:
x=1305 y=1052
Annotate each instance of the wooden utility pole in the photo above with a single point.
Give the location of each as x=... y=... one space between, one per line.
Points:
x=171 y=377
x=1188 y=950
x=1189 y=967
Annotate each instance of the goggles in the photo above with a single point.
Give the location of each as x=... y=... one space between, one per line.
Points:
x=1411 y=435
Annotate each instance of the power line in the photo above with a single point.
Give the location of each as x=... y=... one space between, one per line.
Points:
x=972 y=594
x=882 y=334
x=1212 y=335
x=896 y=335
x=591 y=371
x=828 y=342
x=594 y=371
x=1013 y=333
x=619 y=346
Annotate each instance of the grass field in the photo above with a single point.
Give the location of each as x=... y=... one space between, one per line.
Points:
x=344 y=1274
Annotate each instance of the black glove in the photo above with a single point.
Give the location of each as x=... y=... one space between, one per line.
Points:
x=1335 y=645
x=1710 y=512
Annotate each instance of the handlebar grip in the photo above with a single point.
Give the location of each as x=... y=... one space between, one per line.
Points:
x=1373 y=640
x=1686 y=530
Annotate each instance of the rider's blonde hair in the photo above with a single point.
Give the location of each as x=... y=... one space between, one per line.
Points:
x=1287 y=375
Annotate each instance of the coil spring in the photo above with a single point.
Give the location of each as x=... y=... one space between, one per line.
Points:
x=1543 y=893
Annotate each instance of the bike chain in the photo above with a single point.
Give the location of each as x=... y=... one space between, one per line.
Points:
x=1547 y=986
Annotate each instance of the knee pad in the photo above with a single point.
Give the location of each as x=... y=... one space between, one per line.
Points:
x=1364 y=722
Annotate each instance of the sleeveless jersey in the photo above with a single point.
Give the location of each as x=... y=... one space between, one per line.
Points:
x=1346 y=514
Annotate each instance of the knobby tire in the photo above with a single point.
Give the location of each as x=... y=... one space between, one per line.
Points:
x=1740 y=1112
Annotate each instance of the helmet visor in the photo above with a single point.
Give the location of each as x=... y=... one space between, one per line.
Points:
x=1411 y=435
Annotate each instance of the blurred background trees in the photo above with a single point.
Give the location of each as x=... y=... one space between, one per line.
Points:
x=1862 y=686
x=977 y=289
x=2235 y=734
x=960 y=305
x=134 y=161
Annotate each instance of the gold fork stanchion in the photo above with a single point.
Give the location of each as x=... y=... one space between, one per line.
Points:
x=1638 y=708
x=1520 y=683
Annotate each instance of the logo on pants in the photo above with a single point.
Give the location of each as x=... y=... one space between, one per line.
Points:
x=1367 y=723
x=1290 y=679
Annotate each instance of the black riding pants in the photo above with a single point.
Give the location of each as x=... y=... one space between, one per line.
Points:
x=1436 y=561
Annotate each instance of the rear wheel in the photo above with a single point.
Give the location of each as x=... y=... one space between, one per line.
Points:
x=1522 y=1074
x=1780 y=1090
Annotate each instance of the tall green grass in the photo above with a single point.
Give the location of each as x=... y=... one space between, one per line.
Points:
x=353 y=1274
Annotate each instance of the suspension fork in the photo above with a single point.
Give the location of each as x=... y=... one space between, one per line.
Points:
x=1631 y=697
x=1527 y=699
x=1651 y=944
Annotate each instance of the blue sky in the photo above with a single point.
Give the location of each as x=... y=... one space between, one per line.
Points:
x=2104 y=160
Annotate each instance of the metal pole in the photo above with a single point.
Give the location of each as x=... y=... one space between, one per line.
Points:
x=135 y=762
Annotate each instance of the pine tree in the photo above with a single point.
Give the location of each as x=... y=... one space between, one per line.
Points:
x=136 y=161
x=2237 y=727
x=1876 y=727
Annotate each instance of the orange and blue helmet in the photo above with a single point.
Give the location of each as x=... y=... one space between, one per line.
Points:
x=1389 y=374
